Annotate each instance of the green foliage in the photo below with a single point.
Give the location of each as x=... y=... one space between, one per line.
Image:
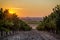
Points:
x=10 y=22
x=52 y=21
x=24 y=26
x=40 y=26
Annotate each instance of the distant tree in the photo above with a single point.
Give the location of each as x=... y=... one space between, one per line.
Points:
x=56 y=10
x=11 y=22
x=52 y=21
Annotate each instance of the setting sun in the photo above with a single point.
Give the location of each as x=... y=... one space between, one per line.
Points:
x=11 y=11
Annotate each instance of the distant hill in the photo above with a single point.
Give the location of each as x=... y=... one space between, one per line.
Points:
x=32 y=19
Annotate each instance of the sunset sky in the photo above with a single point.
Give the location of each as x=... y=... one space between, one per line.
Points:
x=30 y=8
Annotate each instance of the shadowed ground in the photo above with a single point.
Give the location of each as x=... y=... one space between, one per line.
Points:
x=31 y=35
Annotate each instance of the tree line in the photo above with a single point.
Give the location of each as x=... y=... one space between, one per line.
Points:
x=11 y=22
x=51 y=22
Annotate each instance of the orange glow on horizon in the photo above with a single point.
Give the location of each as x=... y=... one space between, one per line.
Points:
x=29 y=8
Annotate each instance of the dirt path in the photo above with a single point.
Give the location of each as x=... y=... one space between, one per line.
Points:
x=31 y=35
x=47 y=36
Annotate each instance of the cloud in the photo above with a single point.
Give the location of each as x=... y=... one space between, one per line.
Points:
x=17 y=8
